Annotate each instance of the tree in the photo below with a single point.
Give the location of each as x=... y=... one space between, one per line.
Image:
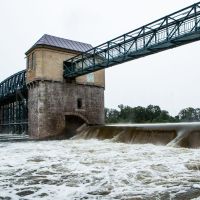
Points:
x=152 y=112
x=126 y=113
x=165 y=117
x=189 y=114
x=139 y=114
x=197 y=114
x=111 y=116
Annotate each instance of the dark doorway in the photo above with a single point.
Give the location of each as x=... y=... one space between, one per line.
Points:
x=72 y=123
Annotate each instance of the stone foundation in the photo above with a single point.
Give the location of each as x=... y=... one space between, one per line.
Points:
x=50 y=102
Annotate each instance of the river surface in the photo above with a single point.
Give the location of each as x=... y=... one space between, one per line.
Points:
x=93 y=169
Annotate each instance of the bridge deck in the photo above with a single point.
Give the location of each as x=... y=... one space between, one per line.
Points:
x=171 y=31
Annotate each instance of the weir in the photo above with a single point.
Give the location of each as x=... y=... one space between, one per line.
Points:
x=63 y=84
x=174 y=135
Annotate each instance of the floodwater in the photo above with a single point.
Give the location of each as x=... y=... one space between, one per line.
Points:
x=93 y=169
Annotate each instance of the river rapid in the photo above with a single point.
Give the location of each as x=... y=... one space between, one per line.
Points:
x=93 y=169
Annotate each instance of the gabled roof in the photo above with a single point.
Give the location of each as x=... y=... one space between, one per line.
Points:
x=52 y=41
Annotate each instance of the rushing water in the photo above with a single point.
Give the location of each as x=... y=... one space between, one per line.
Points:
x=170 y=134
x=93 y=169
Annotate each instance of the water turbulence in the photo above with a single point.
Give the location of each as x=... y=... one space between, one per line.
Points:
x=174 y=135
x=104 y=163
x=97 y=170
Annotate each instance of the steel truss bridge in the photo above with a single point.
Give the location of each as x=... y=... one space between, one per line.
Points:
x=171 y=31
x=13 y=103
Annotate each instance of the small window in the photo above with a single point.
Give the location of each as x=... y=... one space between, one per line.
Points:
x=27 y=62
x=30 y=62
x=90 y=78
x=79 y=103
x=33 y=60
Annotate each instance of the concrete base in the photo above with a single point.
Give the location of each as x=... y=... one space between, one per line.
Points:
x=51 y=104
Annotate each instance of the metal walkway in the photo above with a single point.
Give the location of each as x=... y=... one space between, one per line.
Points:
x=171 y=31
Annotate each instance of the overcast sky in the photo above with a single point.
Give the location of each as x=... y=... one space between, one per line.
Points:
x=170 y=79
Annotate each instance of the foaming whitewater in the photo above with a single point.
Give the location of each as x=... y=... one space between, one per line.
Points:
x=123 y=162
x=94 y=169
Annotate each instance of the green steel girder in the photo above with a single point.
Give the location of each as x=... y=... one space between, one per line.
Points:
x=171 y=31
x=12 y=86
x=13 y=103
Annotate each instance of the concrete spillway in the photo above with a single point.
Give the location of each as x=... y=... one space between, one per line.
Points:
x=176 y=135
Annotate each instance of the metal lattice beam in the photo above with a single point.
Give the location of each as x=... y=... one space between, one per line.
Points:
x=12 y=86
x=171 y=31
x=13 y=103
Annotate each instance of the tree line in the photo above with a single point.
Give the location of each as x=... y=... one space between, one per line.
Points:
x=150 y=114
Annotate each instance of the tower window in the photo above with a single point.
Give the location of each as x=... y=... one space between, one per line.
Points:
x=31 y=61
x=27 y=62
x=79 y=103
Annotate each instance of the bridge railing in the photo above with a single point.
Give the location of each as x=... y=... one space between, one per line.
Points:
x=171 y=31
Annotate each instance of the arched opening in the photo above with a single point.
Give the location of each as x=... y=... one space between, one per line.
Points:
x=72 y=123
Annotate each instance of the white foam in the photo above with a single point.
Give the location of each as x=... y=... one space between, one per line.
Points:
x=74 y=169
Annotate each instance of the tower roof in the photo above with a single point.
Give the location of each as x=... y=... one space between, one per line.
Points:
x=53 y=41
